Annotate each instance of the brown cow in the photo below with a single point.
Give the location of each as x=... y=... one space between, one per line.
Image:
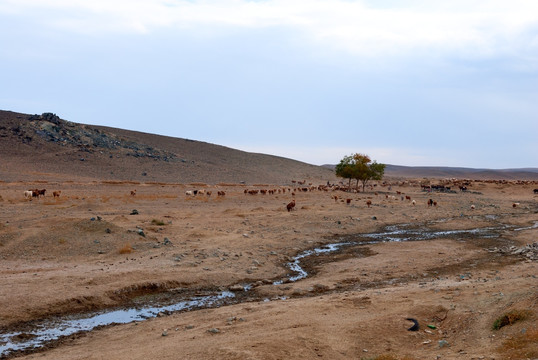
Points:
x=290 y=206
x=56 y=194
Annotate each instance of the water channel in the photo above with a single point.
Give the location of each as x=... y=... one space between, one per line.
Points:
x=51 y=330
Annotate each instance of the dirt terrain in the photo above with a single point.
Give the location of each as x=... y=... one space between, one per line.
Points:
x=89 y=250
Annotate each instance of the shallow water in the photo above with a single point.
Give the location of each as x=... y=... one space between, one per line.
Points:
x=57 y=328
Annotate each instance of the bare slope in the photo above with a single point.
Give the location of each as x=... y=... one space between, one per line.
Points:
x=37 y=146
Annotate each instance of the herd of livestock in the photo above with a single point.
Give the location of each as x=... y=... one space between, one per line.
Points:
x=463 y=186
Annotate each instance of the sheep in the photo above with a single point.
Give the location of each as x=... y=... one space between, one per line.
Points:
x=189 y=193
x=413 y=202
x=472 y=207
x=56 y=194
x=291 y=205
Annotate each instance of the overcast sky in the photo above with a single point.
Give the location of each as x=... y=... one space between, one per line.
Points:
x=410 y=82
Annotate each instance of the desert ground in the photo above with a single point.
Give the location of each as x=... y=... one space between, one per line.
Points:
x=88 y=250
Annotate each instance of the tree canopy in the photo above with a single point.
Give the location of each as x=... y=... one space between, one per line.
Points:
x=361 y=168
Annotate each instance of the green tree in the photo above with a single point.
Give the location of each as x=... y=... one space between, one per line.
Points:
x=361 y=168
x=345 y=168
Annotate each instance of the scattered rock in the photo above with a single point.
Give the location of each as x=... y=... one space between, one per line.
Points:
x=443 y=343
x=529 y=251
x=134 y=212
x=237 y=288
x=213 y=331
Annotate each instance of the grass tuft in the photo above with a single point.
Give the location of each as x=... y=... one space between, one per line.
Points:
x=510 y=318
x=126 y=249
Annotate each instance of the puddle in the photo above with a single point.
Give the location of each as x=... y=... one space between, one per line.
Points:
x=51 y=330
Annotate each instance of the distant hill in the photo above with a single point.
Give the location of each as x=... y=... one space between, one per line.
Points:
x=45 y=147
x=34 y=147
x=440 y=172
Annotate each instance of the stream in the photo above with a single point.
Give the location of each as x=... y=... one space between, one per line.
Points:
x=44 y=332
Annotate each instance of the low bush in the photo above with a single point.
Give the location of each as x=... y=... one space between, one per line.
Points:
x=510 y=318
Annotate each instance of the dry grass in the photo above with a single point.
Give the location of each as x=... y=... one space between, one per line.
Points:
x=511 y=318
x=120 y=182
x=521 y=346
x=389 y=357
x=198 y=184
x=157 y=222
x=126 y=249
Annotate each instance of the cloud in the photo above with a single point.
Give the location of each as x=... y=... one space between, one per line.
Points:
x=472 y=29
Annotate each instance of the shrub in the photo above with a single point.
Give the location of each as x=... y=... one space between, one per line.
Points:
x=510 y=318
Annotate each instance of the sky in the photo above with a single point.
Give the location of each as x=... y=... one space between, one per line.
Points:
x=409 y=82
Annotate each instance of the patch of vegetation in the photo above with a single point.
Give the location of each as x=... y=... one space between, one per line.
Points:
x=126 y=249
x=522 y=346
x=388 y=357
x=157 y=222
x=511 y=318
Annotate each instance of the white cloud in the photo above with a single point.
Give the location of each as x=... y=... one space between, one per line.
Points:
x=469 y=28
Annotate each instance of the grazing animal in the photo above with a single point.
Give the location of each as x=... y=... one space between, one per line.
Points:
x=430 y=202
x=413 y=202
x=133 y=192
x=189 y=193
x=56 y=194
x=28 y=194
x=37 y=193
x=472 y=207
x=368 y=203
x=535 y=191
x=208 y=193
x=290 y=206
x=407 y=197
x=348 y=201
x=515 y=205
x=221 y=193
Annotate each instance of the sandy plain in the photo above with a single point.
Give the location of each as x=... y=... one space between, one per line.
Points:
x=88 y=251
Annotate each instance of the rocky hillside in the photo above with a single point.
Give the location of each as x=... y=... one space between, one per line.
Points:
x=34 y=147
